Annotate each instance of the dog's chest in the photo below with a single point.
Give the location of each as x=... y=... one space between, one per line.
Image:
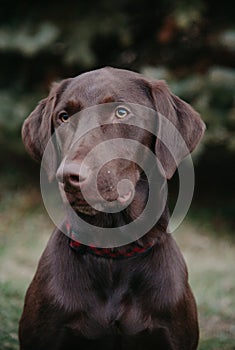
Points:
x=113 y=301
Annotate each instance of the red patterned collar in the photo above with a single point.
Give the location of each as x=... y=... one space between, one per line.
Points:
x=127 y=251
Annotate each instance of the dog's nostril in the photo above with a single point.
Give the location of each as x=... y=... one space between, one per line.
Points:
x=72 y=175
x=74 y=178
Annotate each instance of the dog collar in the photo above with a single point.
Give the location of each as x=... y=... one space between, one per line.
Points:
x=114 y=253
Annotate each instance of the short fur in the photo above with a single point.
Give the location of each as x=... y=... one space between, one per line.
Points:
x=84 y=301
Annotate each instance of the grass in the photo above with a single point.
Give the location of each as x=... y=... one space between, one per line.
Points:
x=211 y=264
x=25 y=228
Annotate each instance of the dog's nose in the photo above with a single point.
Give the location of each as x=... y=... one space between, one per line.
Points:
x=72 y=175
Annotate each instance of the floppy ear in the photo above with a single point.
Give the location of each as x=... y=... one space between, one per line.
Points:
x=37 y=130
x=180 y=128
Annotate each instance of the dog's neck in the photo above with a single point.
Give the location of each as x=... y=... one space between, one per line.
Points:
x=125 y=217
x=116 y=220
x=141 y=246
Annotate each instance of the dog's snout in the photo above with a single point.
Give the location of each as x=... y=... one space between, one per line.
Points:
x=73 y=179
x=72 y=175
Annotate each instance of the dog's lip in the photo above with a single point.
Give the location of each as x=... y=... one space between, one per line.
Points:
x=122 y=199
x=125 y=197
x=81 y=203
x=85 y=209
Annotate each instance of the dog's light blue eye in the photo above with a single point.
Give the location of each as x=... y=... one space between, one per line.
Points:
x=121 y=112
x=64 y=117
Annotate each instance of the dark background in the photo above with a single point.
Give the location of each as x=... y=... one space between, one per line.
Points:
x=191 y=44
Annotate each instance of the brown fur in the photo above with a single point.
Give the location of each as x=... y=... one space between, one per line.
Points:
x=87 y=302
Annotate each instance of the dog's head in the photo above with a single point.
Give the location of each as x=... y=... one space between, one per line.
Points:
x=105 y=102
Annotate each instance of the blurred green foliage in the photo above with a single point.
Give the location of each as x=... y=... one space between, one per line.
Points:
x=191 y=44
x=213 y=95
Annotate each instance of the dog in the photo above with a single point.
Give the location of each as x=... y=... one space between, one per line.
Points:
x=130 y=296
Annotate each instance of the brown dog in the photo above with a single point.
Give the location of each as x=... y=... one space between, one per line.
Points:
x=132 y=297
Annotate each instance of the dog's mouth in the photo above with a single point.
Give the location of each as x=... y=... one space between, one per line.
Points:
x=91 y=206
x=112 y=191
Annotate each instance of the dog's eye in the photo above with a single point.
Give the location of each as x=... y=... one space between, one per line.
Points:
x=64 y=117
x=121 y=112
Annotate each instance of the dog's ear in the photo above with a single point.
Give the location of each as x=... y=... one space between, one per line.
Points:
x=180 y=128
x=37 y=131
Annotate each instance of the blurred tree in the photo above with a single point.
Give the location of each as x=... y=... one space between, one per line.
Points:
x=191 y=43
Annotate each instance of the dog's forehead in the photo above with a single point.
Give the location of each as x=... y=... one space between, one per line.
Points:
x=107 y=75
x=121 y=85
